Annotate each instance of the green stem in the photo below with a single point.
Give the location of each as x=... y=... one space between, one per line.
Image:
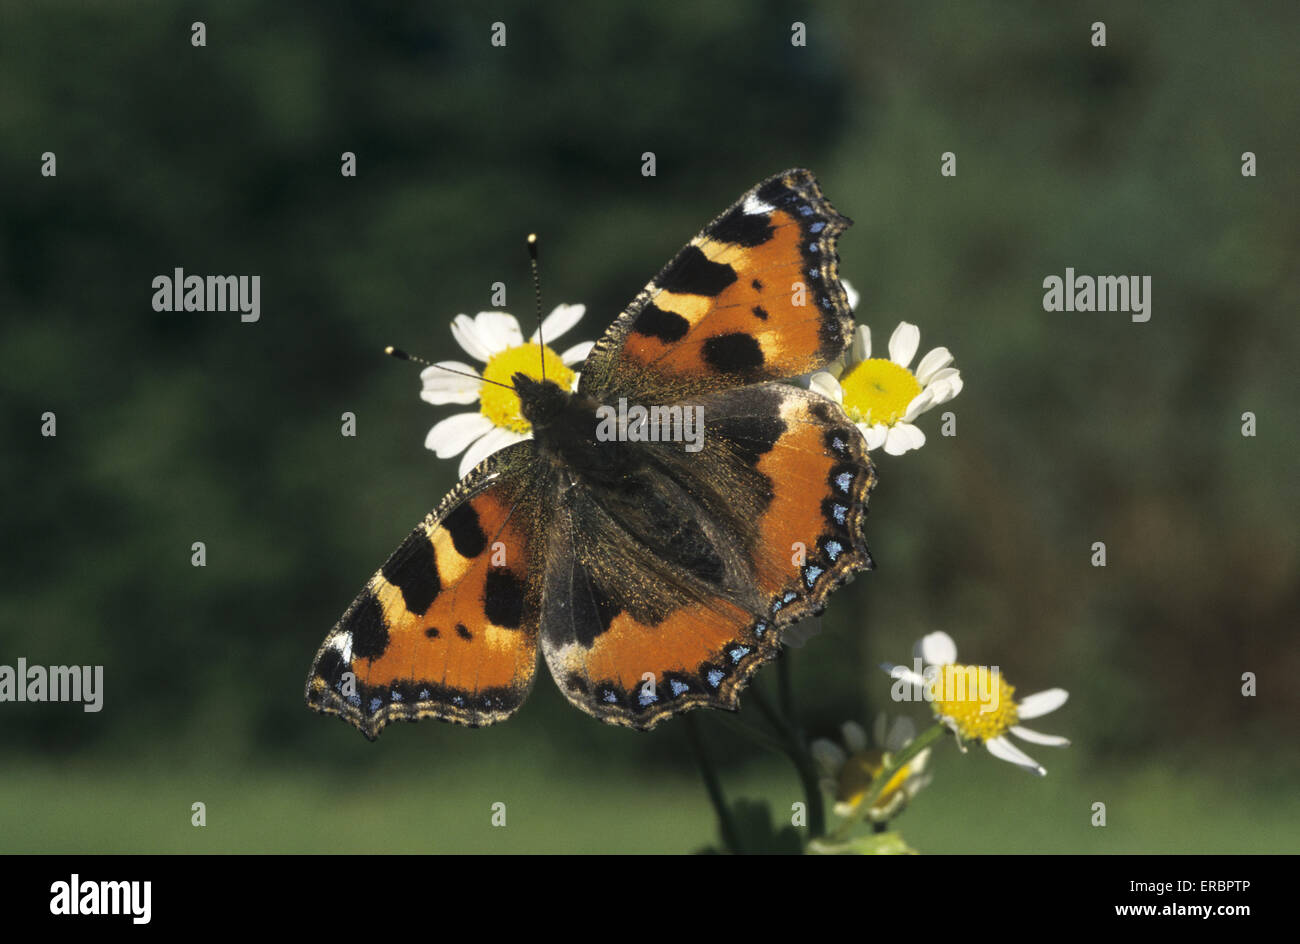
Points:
x=802 y=759
x=713 y=786
x=896 y=763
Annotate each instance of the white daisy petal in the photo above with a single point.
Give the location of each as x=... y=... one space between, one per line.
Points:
x=936 y=648
x=879 y=728
x=1003 y=749
x=498 y=330
x=860 y=349
x=945 y=385
x=901 y=733
x=828 y=756
x=578 y=353
x=1041 y=703
x=903 y=343
x=497 y=439
x=920 y=403
x=855 y=739
x=943 y=375
x=852 y=293
x=1034 y=737
x=823 y=383
x=932 y=363
x=875 y=435
x=915 y=766
x=903 y=438
x=442 y=386
x=467 y=334
x=560 y=320
x=451 y=436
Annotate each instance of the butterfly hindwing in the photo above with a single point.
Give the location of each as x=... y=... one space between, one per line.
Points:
x=447 y=628
x=754 y=297
x=807 y=477
x=763 y=522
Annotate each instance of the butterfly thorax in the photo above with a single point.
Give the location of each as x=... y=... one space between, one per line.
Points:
x=564 y=427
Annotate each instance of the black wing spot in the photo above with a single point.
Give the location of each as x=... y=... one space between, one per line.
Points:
x=760 y=312
x=693 y=273
x=413 y=569
x=331 y=667
x=757 y=285
x=432 y=632
x=750 y=436
x=654 y=322
x=503 y=598
x=775 y=193
x=368 y=628
x=463 y=633
x=742 y=229
x=733 y=353
x=466 y=534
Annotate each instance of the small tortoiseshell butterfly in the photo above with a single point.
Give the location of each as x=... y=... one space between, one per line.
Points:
x=653 y=579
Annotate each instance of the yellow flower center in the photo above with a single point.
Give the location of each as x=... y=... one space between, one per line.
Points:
x=975 y=699
x=500 y=405
x=857 y=775
x=878 y=391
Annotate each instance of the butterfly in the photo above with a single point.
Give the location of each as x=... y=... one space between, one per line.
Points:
x=655 y=574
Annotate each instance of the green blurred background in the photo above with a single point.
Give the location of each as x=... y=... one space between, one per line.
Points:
x=1073 y=428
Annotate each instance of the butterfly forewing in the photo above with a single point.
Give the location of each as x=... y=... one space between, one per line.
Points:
x=754 y=297
x=447 y=628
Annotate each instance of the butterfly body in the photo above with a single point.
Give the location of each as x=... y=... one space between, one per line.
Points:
x=652 y=575
x=565 y=429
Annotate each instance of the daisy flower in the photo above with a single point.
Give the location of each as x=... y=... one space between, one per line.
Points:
x=884 y=395
x=975 y=702
x=495 y=339
x=849 y=772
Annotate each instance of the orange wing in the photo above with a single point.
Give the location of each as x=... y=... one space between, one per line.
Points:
x=448 y=626
x=754 y=297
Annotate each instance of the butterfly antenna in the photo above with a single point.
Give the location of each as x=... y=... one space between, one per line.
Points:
x=537 y=294
x=401 y=355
